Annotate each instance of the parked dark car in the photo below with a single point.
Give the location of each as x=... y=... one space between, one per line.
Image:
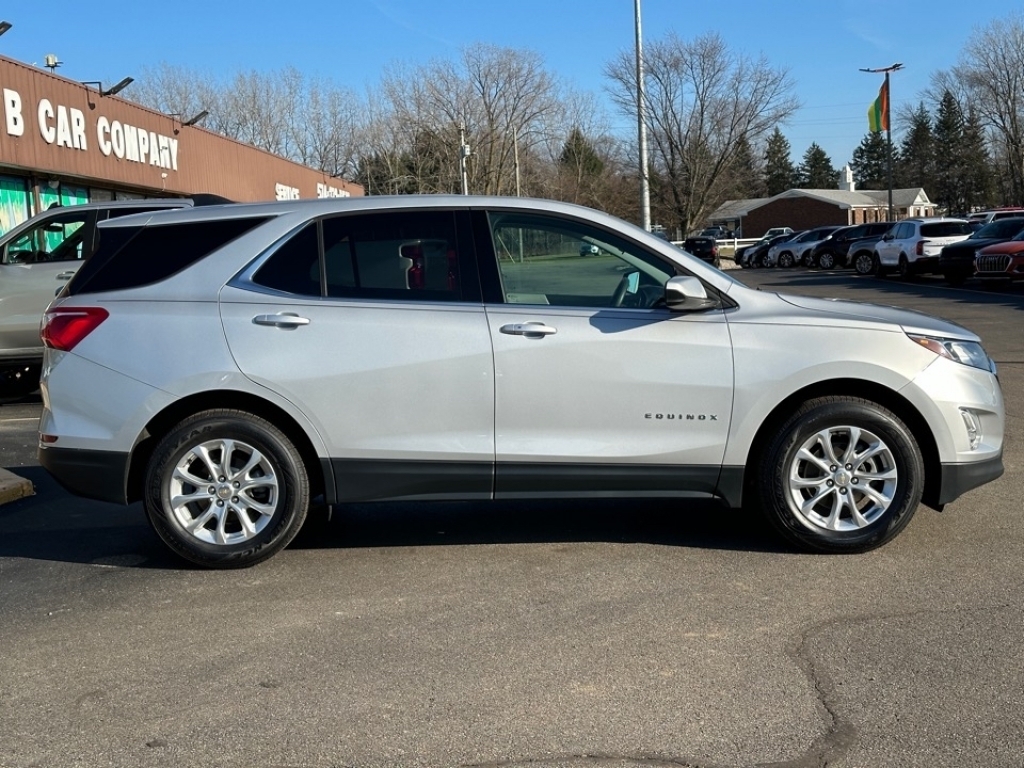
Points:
x=835 y=251
x=704 y=248
x=956 y=262
x=753 y=255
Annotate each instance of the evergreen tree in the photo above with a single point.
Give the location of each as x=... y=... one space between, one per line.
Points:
x=917 y=153
x=746 y=179
x=816 y=171
x=870 y=162
x=579 y=156
x=950 y=190
x=979 y=181
x=779 y=174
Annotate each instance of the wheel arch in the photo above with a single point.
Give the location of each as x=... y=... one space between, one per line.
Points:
x=867 y=390
x=320 y=482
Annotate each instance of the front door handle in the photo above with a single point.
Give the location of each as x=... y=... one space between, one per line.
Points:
x=65 y=275
x=528 y=329
x=281 y=320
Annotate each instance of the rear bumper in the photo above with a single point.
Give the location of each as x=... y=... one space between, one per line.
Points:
x=100 y=475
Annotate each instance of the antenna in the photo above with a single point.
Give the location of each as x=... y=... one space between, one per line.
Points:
x=52 y=61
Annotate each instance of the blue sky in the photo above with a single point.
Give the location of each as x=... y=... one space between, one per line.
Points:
x=822 y=43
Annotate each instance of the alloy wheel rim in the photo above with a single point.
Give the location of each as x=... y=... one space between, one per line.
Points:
x=841 y=479
x=223 y=492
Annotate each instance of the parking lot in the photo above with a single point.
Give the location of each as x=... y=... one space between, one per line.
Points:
x=607 y=634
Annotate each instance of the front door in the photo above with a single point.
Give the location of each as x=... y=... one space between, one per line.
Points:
x=599 y=389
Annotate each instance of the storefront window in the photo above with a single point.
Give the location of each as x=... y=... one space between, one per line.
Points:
x=14 y=202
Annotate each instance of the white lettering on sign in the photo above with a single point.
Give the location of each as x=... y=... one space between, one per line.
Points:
x=324 y=190
x=284 y=192
x=127 y=142
x=12 y=108
x=63 y=125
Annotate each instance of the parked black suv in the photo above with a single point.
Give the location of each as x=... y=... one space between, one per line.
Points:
x=956 y=262
x=835 y=252
x=704 y=248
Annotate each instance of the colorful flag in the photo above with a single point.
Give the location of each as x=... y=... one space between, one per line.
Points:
x=878 y=112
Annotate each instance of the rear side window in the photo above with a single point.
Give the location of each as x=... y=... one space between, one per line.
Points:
x=946 y=229
x=128 y=257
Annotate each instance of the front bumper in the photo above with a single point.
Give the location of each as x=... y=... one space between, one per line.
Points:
x=958 y=479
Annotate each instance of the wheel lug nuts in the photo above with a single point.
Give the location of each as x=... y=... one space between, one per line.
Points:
x=855 y=481
x=212 y=490
x=237 y=484
x=223 y=479
x=834 y=468
x=830 y=483
x=234 y=500
x=849 y=466
x=220 y=502
x=842 y=490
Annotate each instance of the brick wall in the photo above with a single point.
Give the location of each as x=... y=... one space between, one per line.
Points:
x=797 y=213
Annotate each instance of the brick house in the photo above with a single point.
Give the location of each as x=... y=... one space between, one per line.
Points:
x=807 y=208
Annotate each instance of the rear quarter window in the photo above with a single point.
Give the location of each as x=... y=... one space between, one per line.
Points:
x=945 y=229
x=129 y=257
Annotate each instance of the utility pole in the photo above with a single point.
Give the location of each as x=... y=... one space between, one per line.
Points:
x=641 y=125
x=464 y=152
x=887 y=124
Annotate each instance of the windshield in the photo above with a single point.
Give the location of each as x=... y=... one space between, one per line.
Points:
x=1003 y=228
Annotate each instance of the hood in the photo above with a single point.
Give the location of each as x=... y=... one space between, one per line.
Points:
x=909 y=320
x=1006 y=246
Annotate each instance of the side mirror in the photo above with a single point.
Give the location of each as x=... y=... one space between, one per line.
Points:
x=687 y=294
x=887 y=237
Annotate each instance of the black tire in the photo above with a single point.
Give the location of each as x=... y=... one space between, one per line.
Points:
x=885 y=487
x=903 y=268
x=275 y=504
x=827 y=260
x=956 y=279
x=785 y=260
x=880 y=269
x=864 y=263
x=19 y=382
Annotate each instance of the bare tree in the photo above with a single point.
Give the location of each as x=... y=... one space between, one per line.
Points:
x=992 y=69
x=703 y=102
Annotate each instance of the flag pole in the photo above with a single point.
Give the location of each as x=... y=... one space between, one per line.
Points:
x=888 y=125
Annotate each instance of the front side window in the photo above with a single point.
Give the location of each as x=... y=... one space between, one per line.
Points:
x=545 y=260
x=61 y=238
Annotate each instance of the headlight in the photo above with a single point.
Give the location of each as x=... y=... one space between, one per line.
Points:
x=967 y=352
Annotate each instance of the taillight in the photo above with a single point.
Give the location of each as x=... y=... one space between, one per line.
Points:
x=714 y=250
x=63 y=327
x=920 y=247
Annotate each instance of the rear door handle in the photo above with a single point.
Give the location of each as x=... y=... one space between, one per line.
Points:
x=528 y=329
x=281 y=320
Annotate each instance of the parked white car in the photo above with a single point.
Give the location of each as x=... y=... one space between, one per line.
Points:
x=229 y=365
x=913 y=246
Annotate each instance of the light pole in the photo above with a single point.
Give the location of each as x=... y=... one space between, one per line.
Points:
x=878 y=114
x=464 y=152
x=641 y=124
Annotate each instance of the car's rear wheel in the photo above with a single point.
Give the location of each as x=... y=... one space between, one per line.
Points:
x=226 y=489
x=841 y=475
x=864 y=263
x=903 y=267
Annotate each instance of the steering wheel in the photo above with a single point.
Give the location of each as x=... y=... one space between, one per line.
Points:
x=620 y=291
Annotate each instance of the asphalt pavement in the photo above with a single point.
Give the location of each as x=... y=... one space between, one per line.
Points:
x=607 y=634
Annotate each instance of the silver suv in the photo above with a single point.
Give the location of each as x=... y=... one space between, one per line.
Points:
x=229 y=365
x=913 y=246
x=37 y=258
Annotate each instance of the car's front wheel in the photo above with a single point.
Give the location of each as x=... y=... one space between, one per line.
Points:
x=226 y=489
x=864 y=263
x=827 y=260
x=785 y=260
x=841 y=475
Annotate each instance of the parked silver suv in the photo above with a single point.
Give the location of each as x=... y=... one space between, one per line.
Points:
x=37 y=258
x=228 y=365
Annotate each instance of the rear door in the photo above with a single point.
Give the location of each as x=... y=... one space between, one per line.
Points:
x=372 y=325
x=598 y=388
